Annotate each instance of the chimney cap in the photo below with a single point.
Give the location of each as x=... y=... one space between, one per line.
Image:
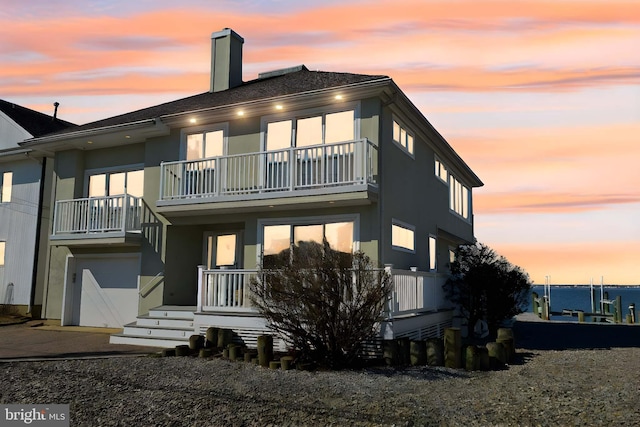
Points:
x=226 y=32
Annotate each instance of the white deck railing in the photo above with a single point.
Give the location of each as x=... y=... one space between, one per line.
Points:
x=224 y=290
x=228 y=290
x=291 y=169
x=97 y=215
x=417 y=291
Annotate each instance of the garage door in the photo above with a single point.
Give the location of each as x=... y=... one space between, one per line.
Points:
x=106 y=291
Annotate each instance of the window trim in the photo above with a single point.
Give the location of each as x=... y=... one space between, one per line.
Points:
x=295 y=115
x=406 y=226
x=184 y=132
x=409 y=132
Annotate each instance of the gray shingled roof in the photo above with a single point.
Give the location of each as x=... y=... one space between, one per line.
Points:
x=262 y=88
x=34 y=122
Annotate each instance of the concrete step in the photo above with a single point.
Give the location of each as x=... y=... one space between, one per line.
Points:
x=146 y=341
x=134 y=329
x=165 y=322
x=173 y=312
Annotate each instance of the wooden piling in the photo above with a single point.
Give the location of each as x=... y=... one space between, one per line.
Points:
x=418 y=350
x=452 y=348
x=265 y=350
x=435 y=352
x=472 y=359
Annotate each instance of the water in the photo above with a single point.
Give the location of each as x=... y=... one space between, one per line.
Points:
x=579 y=298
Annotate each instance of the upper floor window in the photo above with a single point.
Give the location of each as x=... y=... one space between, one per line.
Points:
x=205 y=144
x=441 y=170
x=2 y=251
x=114 y=183
x=459 y=196
x=6 y=184
x=311 y=129
x=433 y=253
x=402 y=137
x=403 y=236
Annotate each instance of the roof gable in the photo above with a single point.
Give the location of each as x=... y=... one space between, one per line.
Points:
x=34 y=122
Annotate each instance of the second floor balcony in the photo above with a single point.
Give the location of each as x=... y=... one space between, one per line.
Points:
x=98 y=220
x=318 y=172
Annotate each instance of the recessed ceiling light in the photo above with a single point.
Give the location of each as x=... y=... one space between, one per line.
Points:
x=89 y=142
x=338 y=96
x=241 y=113
x=192 y=120
x=127 y=136
x=279 y=107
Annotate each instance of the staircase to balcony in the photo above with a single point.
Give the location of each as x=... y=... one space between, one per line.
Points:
x=164 y=326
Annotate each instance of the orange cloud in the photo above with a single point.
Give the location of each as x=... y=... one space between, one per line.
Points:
x=576 y=263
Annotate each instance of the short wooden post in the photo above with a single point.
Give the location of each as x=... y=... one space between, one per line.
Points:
x=472 y=359
x=274 y=365
x=418 y=350
x=404 y=351
x=452 y=348
x=211 y=337
x=168 y=352
x=632 y=312
x=435 y=352
x=205 y=352
x=225 y=336
x=265 y=350
x=196 y=342
x=618 y=309
x=285 y=362
x=629 y=320
x=605 y=307
x=247 y=357
x=234 y=351
x=390 y=352
x=505 y=336
x=182 y=350
x=580 y=316
x=497 y=355
x=485 y=363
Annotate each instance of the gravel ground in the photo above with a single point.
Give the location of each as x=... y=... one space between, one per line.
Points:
x=543 y=387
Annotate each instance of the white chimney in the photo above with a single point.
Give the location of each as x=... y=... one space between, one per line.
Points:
x=226 y=60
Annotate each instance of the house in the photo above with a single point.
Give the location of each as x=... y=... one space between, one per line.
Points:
x=163 y=215
x=24 y=206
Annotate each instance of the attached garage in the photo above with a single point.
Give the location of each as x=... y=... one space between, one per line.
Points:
x=101 y=290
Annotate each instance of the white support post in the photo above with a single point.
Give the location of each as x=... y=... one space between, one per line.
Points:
x=201 y=289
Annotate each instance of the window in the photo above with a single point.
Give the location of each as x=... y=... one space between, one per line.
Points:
x=403 y=236
x=441 y=171
x=458 y=197
x=433 y=253
x=2 y=251
x=402 y=137
x=204 y=145
x=278 y=239
x=5 y=184
x=116 y=183
x=315 y=129
x=452 y=255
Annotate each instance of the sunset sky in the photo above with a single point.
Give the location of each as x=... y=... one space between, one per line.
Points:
x=541 y=98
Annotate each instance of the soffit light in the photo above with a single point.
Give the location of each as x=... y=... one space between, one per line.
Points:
x=338 y=97
x=241 y=113
x=279 y=107
x=192 y=120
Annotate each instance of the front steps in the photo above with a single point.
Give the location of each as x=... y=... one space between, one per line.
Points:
x=164 y=326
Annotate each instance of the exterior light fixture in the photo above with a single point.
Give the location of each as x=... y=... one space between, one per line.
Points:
x=279 y=107
x=89 y=142
x=338 y=97
x=192 y=120
x=241 y=113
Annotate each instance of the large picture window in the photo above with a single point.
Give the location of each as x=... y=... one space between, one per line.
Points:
x=280 y=239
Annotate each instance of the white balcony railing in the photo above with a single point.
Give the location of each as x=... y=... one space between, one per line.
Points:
x=291 y=169
x=413 y=291
x=97 y=215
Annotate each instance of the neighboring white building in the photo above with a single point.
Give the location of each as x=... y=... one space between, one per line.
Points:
x=23 y=203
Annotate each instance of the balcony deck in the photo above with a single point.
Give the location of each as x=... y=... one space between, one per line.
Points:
x=343 y=173
x=109 y=220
